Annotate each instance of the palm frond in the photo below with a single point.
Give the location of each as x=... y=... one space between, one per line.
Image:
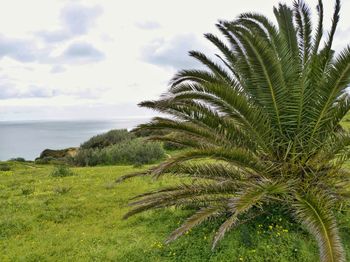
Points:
x=252 y=194
x=313 y=210
x=335 y=86
x=194 y=220
x=216 y=171
x=319 y=30
x=225 y=227
x=335 y=21
x=304 y=28
x=184 y=194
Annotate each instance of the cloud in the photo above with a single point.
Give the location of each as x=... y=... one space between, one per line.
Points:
x=341 y=39
x=82 y=52
x=87 y=93
x=7 y=91
x=54 y=36
x=148 y=25
x=25 y=51
x=39 y=92
x=76 y=19
x=10 y=91
x=19 y=49
x=172 y=52
x=57 y=69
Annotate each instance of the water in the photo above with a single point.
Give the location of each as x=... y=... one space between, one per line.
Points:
x=29 y=138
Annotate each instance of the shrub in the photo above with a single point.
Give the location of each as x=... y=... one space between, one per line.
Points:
x=18 y=159
x=133 y=152
x=107 y=139
x=53 y=161
x=87 y=157
x=61 y=171
x=27 y=191
x=136 y=152
x=5 y=167
x=45 y=160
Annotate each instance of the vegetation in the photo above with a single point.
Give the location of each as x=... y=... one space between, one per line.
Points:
x=268 y=118
x=134 y=152
x=114 y=147
x=18 y=159
x=112 y=137
x=78 y=218
x=4 y=167
x=53 y=160
x=61 y=171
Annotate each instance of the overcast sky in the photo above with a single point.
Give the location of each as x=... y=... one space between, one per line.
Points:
x=97 y=59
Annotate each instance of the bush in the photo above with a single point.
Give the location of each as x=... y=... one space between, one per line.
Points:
x=61 y=171
x=18 y=159
x=135 y=152
x=53 y=161
x=87 y=157
x=5 y=167
x=107 y=139
x=27 y=190
x=45 y=160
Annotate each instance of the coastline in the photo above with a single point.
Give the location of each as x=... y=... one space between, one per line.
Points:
x=28 y=138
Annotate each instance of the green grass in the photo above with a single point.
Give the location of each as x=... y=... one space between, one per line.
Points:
x=79 y=218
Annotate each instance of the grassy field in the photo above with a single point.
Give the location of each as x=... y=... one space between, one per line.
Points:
x=78 y=218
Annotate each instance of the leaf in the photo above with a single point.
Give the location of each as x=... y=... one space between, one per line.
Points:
x=313 y=210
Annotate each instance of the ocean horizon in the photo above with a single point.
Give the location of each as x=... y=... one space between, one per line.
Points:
x=28 y=138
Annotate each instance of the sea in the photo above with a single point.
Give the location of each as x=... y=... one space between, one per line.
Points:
x=28 y=139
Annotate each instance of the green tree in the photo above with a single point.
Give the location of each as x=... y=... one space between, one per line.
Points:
x=263 y=126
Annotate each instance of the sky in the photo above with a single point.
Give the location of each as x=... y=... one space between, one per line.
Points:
x=96 y=59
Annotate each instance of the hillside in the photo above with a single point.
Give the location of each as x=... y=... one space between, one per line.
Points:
x=78 y=218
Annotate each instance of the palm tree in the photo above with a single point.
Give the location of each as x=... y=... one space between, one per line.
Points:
x=262 y=127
